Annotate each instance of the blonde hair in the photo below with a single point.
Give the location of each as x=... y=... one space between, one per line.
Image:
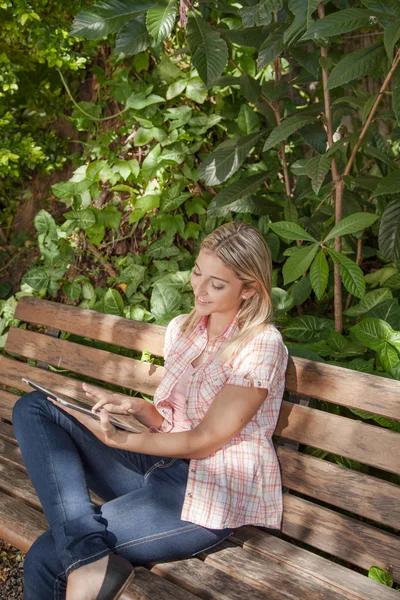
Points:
x=242 y=248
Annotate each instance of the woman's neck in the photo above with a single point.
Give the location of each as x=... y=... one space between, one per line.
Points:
x=218 y=323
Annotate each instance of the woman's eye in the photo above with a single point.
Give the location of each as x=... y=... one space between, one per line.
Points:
x=217 y=288
x=197 y=274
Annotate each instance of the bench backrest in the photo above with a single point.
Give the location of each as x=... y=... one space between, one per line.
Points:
x=352 y=514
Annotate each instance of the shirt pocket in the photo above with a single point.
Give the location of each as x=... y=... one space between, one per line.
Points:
x=212 y=380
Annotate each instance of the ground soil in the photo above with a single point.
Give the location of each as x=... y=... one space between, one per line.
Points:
x=11 y=572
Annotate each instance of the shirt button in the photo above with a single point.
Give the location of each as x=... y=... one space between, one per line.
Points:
x=193 y=470
x=190 y=495
x=186 y=401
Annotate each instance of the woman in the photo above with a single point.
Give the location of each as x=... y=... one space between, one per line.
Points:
x=205 y=466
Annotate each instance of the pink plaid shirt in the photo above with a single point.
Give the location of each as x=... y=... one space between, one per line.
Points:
x=240 y=483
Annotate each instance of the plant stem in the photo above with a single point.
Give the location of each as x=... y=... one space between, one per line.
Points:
x=338 y=186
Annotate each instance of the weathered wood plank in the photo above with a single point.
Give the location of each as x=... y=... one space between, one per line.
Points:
x=98 y=326
x=345 y=387
x=351 y=582
x=11 y=454
x=16 y=483
x=205 y=581
x=365 y=496
x=251 y=568
x=7 y=432
x=148 y=586
x=352 y=540
x=95 y=363
x=20 y=524
x=7 y=401
x=346 y=437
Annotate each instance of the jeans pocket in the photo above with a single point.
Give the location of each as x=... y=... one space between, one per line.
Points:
x=164 y=463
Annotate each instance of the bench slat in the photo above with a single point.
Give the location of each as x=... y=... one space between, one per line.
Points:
x=95 y=363
x=98 y=326
x=17 y=484
x=342 y=386
x=11 y=454
x=11 y=372
x=366 y=496
x=271 y=546
x=365 y=443
x=7 y=401
x=20 y=524
x=146 y=586
x=346 y=538
x=7 y=432
x=205 y=581
x=250 y=567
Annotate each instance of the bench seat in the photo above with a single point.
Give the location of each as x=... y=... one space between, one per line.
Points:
x=338 y=522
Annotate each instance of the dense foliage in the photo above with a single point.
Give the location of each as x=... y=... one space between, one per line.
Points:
x=283 y=113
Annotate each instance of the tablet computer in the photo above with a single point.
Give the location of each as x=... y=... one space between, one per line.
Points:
x=77 y=405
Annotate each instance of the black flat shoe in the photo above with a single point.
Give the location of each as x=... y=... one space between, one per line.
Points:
x=118 y=576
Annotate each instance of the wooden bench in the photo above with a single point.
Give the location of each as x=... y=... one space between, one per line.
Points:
x=337 y=523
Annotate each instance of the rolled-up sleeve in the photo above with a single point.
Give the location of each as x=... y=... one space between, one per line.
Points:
x=261 y=363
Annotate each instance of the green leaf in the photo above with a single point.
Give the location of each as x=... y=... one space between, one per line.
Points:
x=85 y=218
x=281 y=300
x=176 y=88
x=301 y=290
x=139 y=100
x=45 y=224
x=391 y=37
x=389 y=232
x=388 y=7
x=389 y=185
x=248 y=120
x=388 y=311
x=113 y=303
x=380 y=155
x=369 y=302
x=298 y=263
x=238 y=190
x=291 y=231
x=353 y=278
x=72 y=290
x=132 y=38
x=38 y=278
x=319 y=274
x=270 y=49
x=107 y=17
x=372 y=333
x=160 y=19
x=352 y=224
x=164 y=300
x=312 y=6
x=339 y=22
x=381 y=576
x=196 y=90
x=260 y=14
x=227 y=158
x=308 y=328
x=356 y=65
x=396 y=95
x=250 y=87
x=284 y=130
x=209 y=50
x=162 y=248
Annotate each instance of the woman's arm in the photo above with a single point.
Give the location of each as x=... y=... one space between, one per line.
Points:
x=233 y=407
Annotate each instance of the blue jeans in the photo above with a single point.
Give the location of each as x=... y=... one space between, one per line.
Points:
x=140 y=519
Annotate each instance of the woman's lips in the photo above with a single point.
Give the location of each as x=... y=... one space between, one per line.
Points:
x=202 y=302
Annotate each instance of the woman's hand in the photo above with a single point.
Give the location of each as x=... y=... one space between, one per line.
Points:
x=112 y=403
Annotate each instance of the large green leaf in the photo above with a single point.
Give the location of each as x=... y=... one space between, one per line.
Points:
x=237 y=191
x=339 y=22
x=107 y=17
x=388 y=311
x=308 y=328
x=248 y=120
x=38 y=278
x=391 y=37
x=261 y=13
x=380 y=155
x=352 y=224
x=389 y=232
x=291 y=231
x=389 y=185
x=164 y=299
x=353 y=278
x=113 y=303
x=388 y=7
x=132 y=38
x=300 y=10
x=270 y=49
x=356 y=64
x=284 y=130
x=209 y=50
x=160 y=19
x=319 y=274
x=369 y=302
x=227 y=158
x=372 y=333
x=298 y=263
x=381 y=576
x=312 y=6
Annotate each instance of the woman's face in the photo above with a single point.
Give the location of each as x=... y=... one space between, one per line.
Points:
x=216 y=287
